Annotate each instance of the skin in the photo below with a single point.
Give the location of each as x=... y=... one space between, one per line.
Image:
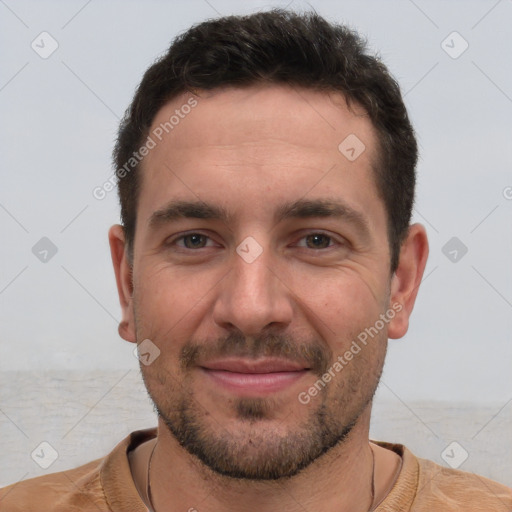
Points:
x=250 y=150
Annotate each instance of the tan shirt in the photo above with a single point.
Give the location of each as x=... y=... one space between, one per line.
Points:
x=106 y=485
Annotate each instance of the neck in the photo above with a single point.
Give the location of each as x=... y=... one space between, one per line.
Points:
x=339 y=480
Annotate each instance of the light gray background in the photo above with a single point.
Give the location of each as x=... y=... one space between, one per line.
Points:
x=67 y=378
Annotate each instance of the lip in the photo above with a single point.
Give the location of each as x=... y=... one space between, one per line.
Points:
x=245 y=377
x=267 y=365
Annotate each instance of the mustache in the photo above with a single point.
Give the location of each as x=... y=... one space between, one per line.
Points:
x=315 y=354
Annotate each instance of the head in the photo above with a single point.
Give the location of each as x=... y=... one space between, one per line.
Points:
x=267 y=217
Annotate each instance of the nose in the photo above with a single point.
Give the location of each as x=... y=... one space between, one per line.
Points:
x=253 y=296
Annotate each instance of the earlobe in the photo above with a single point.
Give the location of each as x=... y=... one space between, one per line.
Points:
x=123 y=273
x=407 y=279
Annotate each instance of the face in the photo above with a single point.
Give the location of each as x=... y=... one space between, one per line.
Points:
x=260 y=259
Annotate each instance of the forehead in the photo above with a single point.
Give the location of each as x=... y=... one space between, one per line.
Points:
x=267 y=142
x=232 y=115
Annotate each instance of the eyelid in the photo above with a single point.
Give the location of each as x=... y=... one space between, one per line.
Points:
x=179 y=236
x=337 y=240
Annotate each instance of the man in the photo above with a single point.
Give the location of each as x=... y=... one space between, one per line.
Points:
x=266 y=173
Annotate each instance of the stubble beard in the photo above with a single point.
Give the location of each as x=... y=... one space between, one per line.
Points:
x=256 y=448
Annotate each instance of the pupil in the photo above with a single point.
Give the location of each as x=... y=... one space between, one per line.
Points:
x=195 y=240
x=316 y=239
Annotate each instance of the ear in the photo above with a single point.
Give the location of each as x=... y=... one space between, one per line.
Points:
x=123 y=271
x=407 y=278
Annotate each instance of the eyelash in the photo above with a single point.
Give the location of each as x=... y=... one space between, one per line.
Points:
x=332 y=239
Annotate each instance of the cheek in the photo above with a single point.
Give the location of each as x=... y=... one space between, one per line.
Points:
x=167 y=304
x=171 y=292
x=340 y=302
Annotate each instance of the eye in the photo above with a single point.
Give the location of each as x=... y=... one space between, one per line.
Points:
x=191 y=241
x=317 y=241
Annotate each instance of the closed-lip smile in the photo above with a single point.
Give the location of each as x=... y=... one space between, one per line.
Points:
x=246 y=376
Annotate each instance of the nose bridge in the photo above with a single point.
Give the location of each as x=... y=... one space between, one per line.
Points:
x=252 y=297
x=253 y=279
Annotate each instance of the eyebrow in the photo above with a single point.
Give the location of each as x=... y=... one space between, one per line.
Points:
x=325 y=208
x=176 y=210
x=299 y=209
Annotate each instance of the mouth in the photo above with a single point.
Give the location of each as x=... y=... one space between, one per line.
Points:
x=251 y=377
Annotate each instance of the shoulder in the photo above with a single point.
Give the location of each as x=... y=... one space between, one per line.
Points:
x=99 y=486
x=425 y=486
x=455 y=488
x=66 y=491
